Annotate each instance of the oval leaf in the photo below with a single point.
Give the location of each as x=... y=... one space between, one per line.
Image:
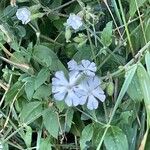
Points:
x=115 y=139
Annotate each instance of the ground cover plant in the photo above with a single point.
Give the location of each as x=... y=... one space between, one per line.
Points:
x=74 y=74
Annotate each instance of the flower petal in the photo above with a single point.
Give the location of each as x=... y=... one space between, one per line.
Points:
x=72 y=99
x=93 y=82
x=60 y=79
x=59 y=96
x=56 y=89
x=99 y=94
x=85 y=63
x=72 y=65
x=92 y=103
x=89 y=73
x=82 y=95
x=73 y=77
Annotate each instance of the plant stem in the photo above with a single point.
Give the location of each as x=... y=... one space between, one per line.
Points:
x=5 y=50
x=64 y=5
x=141 y=22
x=141 y=51
x=126 y=28
x=90 y=117
x=91 y=45
x=120 y=96
x=105 y=1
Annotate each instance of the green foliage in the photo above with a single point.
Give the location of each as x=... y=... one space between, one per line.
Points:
x=30 y=112
x=50 y=120
x=43 y=92
x=106 y=35
x=134 y=87
x=134 y=4
x=47 y=58
x=28 y=136
x=144 y=80
x=41 y=78
x=30 y=55
x=45 y=144
x=86 y=136
x=115 y=139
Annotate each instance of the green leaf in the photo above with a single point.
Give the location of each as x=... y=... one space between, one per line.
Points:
x=86 y=136
x=45 y=144
x=42 y=55
x=83 y=53
x=56 y=3
x=144 y=80
x=13 y=91
x=9 y=11
x=61 y=105
x=29 y=88
x=115 y=139
x=37 y=15
x=128 y=78
x=41 y=77
x=125 y=116
x=30 y=111
x=69 y=117
x=98 y=133
x=133 y=6
x=18 y=57
x=20 y=30
x=134 y=89
x=106 y=35
x=42 y=92
x=28 y=136
x=48 y=58
x=50 y=120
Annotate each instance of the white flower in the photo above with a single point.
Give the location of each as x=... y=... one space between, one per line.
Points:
x=86 y=67
x=24 y=15
x=91 y=92
x=64 y=89
x=74 y=21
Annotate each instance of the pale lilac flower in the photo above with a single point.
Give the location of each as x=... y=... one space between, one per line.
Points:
x=87 y=67
x=74 y=21
x=83 y=87
x=90 y=92
x=24 y=15
x=64 y=89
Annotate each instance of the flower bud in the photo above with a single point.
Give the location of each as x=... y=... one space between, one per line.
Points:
x=68 y=34
x=110 y=88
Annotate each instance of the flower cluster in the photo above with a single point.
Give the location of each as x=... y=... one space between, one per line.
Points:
x=81 y=87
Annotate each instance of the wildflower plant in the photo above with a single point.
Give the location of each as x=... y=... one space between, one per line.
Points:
x=74 y=74
x=83 y=86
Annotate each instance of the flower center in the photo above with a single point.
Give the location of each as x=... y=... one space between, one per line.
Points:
x=69 y=87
